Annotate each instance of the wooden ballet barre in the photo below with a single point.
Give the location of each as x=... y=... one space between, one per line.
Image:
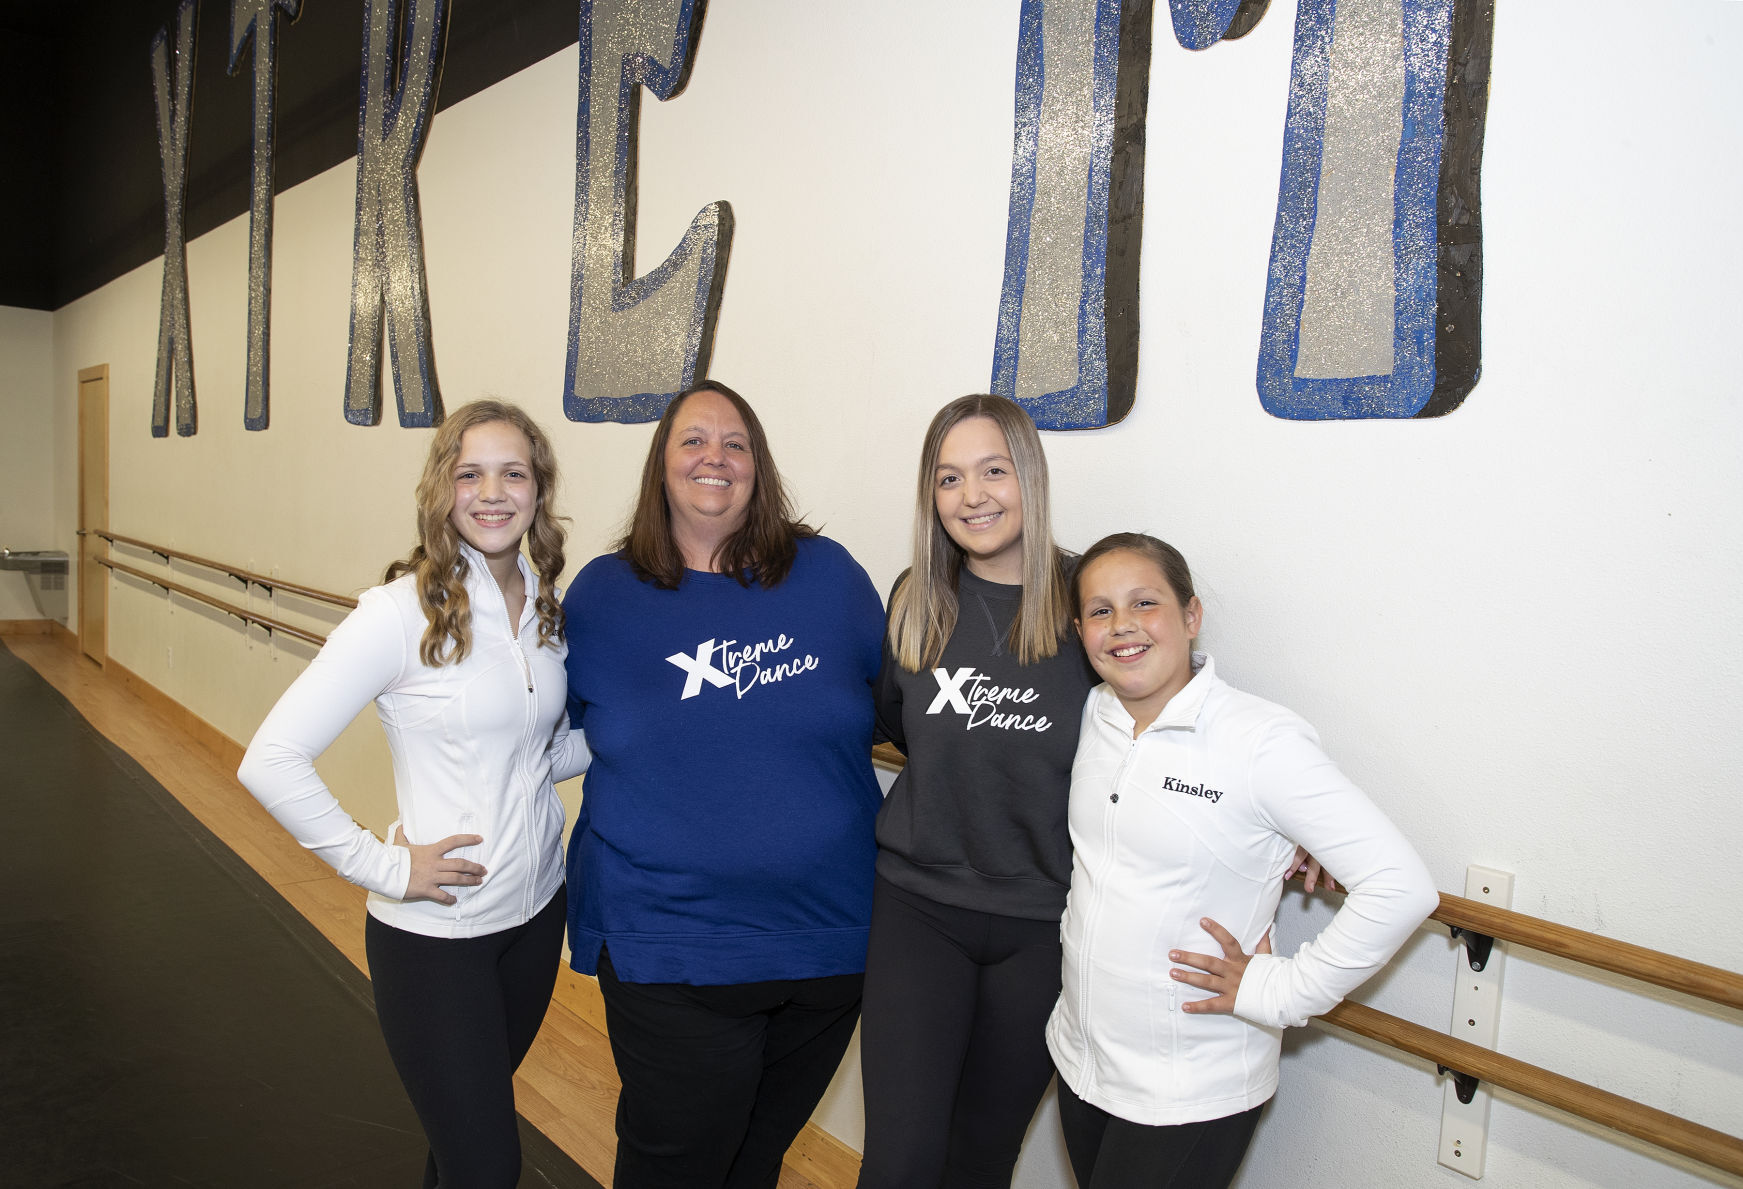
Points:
x=241 y=575
x=1643 y=1122
x=1590 y=949
x=270 y=624
x=1481 y=924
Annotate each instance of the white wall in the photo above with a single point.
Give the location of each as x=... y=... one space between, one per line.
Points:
x=27 y=508
x=1514 y=625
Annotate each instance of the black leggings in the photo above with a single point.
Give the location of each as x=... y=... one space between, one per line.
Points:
x=458 y=1015
x=718 y=1080
x=952 y=1045
x=1110 y=1153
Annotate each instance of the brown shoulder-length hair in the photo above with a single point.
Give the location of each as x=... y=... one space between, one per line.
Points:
x=764 y=546
x=924 y=607
x=1157 y=552
x=437 y=561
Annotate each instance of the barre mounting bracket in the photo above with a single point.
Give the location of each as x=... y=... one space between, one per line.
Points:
x=1478 y=946
x=1464 y=1084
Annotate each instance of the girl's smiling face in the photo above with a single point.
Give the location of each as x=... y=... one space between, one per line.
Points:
x=495 y=493
x=1138 y=636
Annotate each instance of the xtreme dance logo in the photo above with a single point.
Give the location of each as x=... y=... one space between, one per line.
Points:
x=967 y=692
x=741 y=667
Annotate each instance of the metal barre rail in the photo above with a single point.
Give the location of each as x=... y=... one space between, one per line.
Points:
x=241 y=575
x=270 y=624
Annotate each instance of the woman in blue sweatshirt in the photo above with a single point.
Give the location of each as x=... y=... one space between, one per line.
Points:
x=721 y=661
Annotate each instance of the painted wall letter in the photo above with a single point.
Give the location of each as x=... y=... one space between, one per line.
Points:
x=172 y=78
x=387 y=262
x=634 y=342
x=1373 y=300
x=1067 y=344
x=255 y=18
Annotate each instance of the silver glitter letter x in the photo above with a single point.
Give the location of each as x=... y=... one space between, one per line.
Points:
x=173 y=83
x=255 y=17
x=387 y=262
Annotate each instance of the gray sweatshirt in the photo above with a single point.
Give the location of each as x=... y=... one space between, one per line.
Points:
x=977 y=819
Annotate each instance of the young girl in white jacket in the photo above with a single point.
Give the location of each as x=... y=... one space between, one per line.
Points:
x=1188 y=799
x=462 y=653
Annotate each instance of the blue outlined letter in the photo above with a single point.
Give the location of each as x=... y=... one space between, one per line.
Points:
x=634 y=342
x=1373 y=298
x=1067 y=344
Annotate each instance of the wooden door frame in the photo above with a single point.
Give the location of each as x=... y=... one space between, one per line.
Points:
x=91 y=547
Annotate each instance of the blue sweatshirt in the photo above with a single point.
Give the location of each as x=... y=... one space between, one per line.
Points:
x=726 y=825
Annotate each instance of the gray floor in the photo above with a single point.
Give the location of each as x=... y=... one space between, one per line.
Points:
x=168 y=1018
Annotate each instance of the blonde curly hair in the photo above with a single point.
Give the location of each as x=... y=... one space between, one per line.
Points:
x=437 y=561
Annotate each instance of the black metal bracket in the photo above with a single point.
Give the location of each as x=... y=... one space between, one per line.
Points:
x=1464 y=1085
x=1477 y=946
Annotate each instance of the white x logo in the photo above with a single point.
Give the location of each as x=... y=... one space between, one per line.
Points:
x=699 y=670
x=950 y=690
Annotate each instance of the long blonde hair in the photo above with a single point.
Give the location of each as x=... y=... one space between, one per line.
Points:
x=437 y=561
x=924 y=607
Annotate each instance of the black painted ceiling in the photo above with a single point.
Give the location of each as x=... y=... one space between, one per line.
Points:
x=81 y=184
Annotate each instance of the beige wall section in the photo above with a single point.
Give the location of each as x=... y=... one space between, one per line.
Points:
x=1515 y=626
x=27 y=499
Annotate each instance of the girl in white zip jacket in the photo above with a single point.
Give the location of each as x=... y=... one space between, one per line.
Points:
x=462 y=653
x=1188 y=800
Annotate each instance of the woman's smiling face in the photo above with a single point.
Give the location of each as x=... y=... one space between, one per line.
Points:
x=710 y=474
x=979 y=501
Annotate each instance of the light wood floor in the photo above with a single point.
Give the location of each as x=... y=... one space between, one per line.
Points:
x=567 y=1086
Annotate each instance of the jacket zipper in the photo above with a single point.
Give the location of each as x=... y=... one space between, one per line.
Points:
x=1083 y=975
x=532 y=707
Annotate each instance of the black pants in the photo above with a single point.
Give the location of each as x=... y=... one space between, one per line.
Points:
x=1110 y=1153
x=717 y=1081
x=953 y=1047
x=458 y=1015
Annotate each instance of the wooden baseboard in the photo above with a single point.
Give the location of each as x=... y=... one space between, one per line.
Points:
x=28 y=627
x=822 y=1159
x=225 y=750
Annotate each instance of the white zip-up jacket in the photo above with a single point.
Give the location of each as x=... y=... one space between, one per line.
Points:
x=476 y=748
x=1199 y=817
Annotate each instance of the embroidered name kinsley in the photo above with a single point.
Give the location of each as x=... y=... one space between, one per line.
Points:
x=1192 y=790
